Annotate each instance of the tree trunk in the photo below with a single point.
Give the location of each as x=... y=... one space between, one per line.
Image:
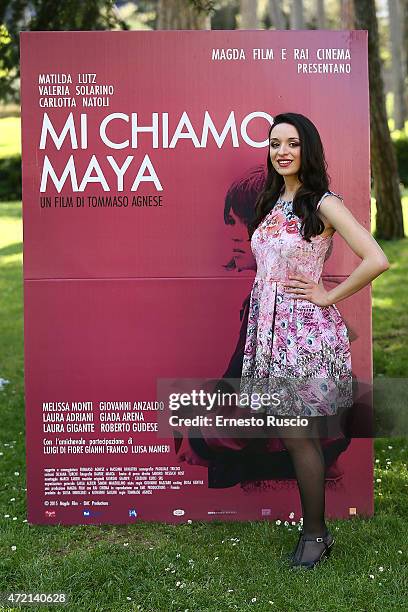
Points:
x=321 y=15
x=347 y=14
x=249 y=16
x=296 y=15
x=181 y=15
x=398 y=76
x=383 y=158
x=276 y=14
x=404 y=7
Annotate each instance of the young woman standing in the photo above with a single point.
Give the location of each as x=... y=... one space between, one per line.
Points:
x=295 y=331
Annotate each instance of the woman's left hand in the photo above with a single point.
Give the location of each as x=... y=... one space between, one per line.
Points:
x=300 y=287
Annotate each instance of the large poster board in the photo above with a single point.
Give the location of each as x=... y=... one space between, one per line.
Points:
x=138 y=147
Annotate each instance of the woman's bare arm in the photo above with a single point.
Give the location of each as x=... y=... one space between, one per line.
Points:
x=374 y=260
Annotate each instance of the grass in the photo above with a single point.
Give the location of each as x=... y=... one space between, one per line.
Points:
x=10 y=130
x=201 y=566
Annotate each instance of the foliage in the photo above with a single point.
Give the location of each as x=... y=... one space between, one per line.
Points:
x=10 y=178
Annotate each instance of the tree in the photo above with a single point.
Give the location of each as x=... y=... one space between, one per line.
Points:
x=347 y=14
x=276 y=13
x=296 y=15
x=321 y=15
x=249 y=17
x=184 y=15
x=398 y=76
x=383 y=158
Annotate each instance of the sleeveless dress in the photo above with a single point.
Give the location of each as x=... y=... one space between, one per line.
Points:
x=294 y=347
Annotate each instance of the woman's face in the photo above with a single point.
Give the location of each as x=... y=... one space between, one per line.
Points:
x=241 y=247
x=284 y=145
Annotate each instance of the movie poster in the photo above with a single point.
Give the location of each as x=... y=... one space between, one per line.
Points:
x=143 y=155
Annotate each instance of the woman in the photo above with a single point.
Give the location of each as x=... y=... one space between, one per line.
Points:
x=295 y=332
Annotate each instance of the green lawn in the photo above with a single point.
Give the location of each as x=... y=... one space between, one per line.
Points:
x=10 y=142
x=201 y=566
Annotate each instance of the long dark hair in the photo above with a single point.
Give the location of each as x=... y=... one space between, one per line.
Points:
x=312 y=174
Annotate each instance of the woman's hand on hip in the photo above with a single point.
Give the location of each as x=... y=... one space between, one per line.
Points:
x=300 y=287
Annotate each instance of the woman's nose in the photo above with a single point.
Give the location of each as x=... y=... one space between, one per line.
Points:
x=282 y=149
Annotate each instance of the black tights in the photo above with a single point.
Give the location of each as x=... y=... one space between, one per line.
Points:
x=308 y=462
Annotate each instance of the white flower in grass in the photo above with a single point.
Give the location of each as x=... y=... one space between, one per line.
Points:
x=178 y=583
x=400 y=552
x=372 y=576
x=178 y=554
x=16 y=473
x=14 y=518
x=390 y=447
x=253 y=599
x=6 y=516
x=377 y=461
x=215 y=558
x=291 y=515
x=14 y=548
x=125 y=543
x=293 y=523
x=3 y=382
x=230 y=590
x=381 y=569
x=286 y=523
x=189 y=521
x=378 y=480
x=278 y=522
x=271 y=602
x=129 y=598
x=13 y=499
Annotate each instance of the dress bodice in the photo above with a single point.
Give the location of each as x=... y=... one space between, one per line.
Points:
x=280 y=250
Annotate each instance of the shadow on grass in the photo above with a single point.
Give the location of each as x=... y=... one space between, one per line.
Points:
x=12 y=249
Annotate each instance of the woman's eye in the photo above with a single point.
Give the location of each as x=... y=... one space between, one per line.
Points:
x=295 y=144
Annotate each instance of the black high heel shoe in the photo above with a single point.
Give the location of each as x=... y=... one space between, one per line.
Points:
x=328 y=541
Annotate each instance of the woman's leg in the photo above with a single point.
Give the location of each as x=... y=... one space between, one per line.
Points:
x=308 y=462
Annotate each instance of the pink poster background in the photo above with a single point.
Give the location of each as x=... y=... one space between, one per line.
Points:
x=116 y=298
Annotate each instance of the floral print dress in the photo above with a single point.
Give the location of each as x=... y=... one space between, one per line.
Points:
x=294 y=347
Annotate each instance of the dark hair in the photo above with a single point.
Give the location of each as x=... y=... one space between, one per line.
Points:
x=243 y=193
x=312 y=174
